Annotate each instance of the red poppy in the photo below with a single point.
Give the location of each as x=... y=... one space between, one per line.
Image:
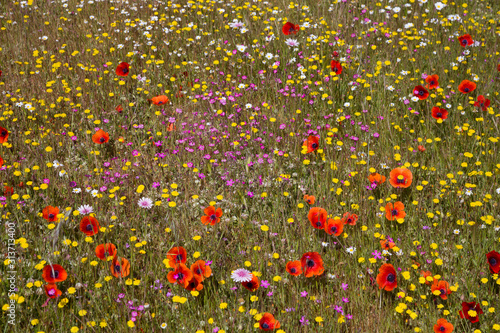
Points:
x=317 y=216
x=387 y=278
x=176 y=255
x=395 y=212
x=443 y=326
x=432 y=81
x=482 y=102
x=471 y=311
x=51 y=290
x=334 y=227
x=290 y=28
x=310 y=199
x=386 y=244
x=349 y=218
x=268 y=323
x=493 y=258
x=122 y=69
x=8 y=190
x=50 y=213
x=439 y=113
x=120 y=268
x=420 y=92
x=466 y=87
x=212 y=216
x=442 y=287
x=54 y=273
x=294 y=267
x=4 y=134
x=100 y=137
x=104 y=251
x=160 y=100
x=312 y=264
x=200 y=268
x=253 y=284
x=89 y=225
x=421 y=148
x=119 y=108
x=1 y=161
x=195 y=283
x=400 y=178
x=498 y=67
x=312 y=143
x=335 y=54
x=376 y=178
x=181 y=275
x=426 y=274
x=465 y=40
x=171 y=127
x=336 y=67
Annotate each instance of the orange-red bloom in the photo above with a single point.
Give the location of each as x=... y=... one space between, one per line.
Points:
x=387 y=278
x=432 y=81
x=443 y=288
x=312 y=264
x=100 y=137
x=466 y=307
x=420 y=92
x=195 y=283
x=349 y=218
x=4 y=134
x=50 y=213
x=439 y=113
x=376 y=178
x=493 y=258
x=482 y=102
x=54 y=273
x=1 y=161
x=181 y=275
x=253 y=284
x=176 y=255
x=336 y=67
x=160 y=100
x=103 y=251
x=317 y=216
x=310 y=199
x=294 y=267
x=425 y=274
x=212 y=216
x=290 y=28
x=386 y=244
x=466 y=87
x=51 y=290
x=395 y=212
x=465 y=40
x=8 y=190
x=122 y=69
x=89 y=225
x=200 y=268
x=400 y=178
x=120 y=268
x=268 y=323
x=334 y=227
x=443 y=326
x=421 y=148
x=119 y=108
x=312 y=143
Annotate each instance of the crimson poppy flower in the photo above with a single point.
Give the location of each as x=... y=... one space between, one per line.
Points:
x=394 y=212
x=471 y=311
x=376 y=178
x=439 y=113
x=421 y=148
x=54 y=273
x=465 y=40
x=312 y=264
x=493 y=258
x=268 y=323
x=51 y=290
x=89 y=225
x=349 y=218
x=1 y=161
x=498 y=67
x=253 y=284
x=181 y=275
x=103 y=251
x=119 y=108
x=122 y=69
x=176 y=255
x=200 y=268
x=120 y=268
x=335 y=54
x=466 y=87
x=212 y=216
x=442 y=287
x=160 y=100
x=387 y=278
x=386 y=244
x=443 y=326
x=420 y=92
x=50 y=213
x=482 y=102
x=336 y=67
x=334 y=227
x=290 y=28
x=317 y=216
x=400 y=178
x=294 y=267
x=312 y=143
x=310 y=199
x=195 y=283
x=432 y=81
x=100 y=137
x=8 y=190
x=4 y=134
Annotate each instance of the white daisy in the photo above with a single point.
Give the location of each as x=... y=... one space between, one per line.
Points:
x=145 y=203
x=241 y=275
x=292 y=42
x=351 y=250
x=85 y=209
x=164 y=325
x=77 y=190
x=94 y=193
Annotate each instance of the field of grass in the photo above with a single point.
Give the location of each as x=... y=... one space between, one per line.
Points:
x=343 y=155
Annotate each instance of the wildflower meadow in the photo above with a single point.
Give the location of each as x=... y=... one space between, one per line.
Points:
x=250 y=165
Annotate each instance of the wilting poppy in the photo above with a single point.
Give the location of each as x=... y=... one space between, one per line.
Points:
x=420 y=92
x=268 y=323
x=317 y=216
x=253 y=284
x=471 y=311
x=466 y=87
x=386 y=244
x=312 y=143
x=89 y=225
x=176 y=255
x=120 y=268
x=195 y=283
x=421 y=148
x=312 y=264
x=335 y=54
x=122 y=69
x=387 y=278
x=200 y=268
x=376 y=178
x=443 y=326
x=432 y=81
x=160 y=100
x=395 y=212
x=498 y=67
x=442 y=287
x=51 y=290
x=104 y=251
x=439 y=113
x=482 y=102
x=425 y=275
x=100 y=137
x=465 y=40
x=212 y=215
x=310 y=199
x=336 y=67
x=334 y=227
x=119 y=108
x=493 y=258
x=290 y=28
x=8 y=190
x=349 y=218
x=400 y=178
x=171 y=127
x=54 y=273
x=294 y=267
x=181 y=275
x=4 y=134
x=50 y=213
